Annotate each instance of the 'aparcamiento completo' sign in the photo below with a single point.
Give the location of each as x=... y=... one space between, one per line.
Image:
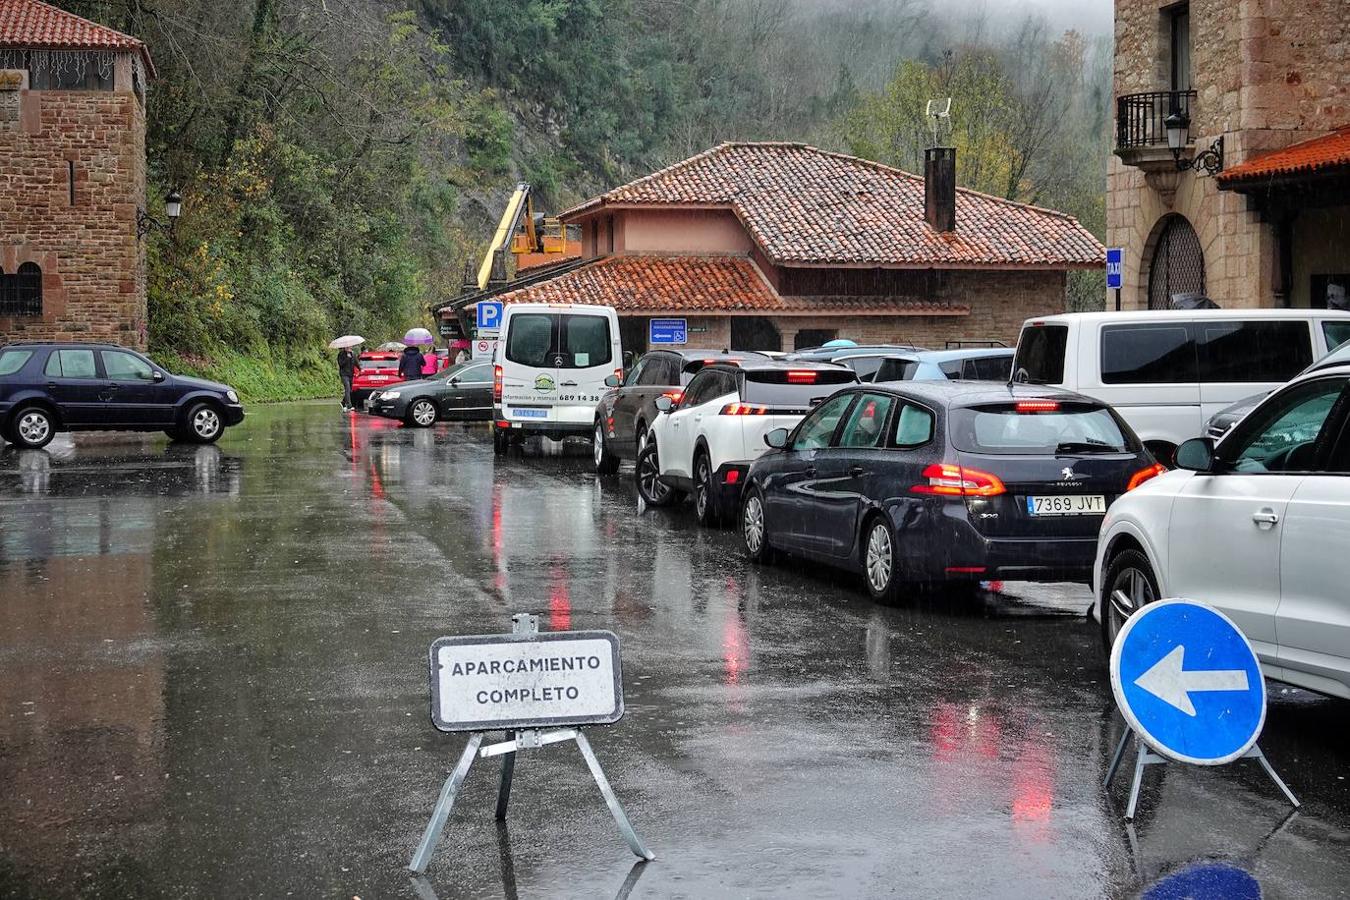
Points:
x=508 y=681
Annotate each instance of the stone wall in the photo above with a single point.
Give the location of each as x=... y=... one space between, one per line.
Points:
x=1267 y=73
x=93 y=266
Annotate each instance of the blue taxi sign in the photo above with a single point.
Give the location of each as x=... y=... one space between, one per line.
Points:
x=1188 y=682
x=1115 y=267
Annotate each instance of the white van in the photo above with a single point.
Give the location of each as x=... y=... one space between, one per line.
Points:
x=1167 y=371
x=550 y=367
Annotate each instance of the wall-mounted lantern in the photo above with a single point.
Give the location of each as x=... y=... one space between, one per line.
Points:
x=1209 y=161
x=173 y=208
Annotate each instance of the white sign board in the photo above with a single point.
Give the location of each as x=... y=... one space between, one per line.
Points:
x=483 y=349
x=509 y=681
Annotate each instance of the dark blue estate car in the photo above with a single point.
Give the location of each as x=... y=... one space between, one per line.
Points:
x=51 y=387
x=913 y=483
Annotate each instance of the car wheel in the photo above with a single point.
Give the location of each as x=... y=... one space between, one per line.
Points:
x=606 y=463
x=649 y=485
x=705 y=497
x=32 y=428
x=640 y=440
x=880 y=561
x=754 y=530
x=1128 y=586
x=203 y=424
x=422 y=413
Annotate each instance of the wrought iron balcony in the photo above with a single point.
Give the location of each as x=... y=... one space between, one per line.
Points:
x=1140 y=117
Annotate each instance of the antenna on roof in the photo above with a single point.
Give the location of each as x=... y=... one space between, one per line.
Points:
x=939 y=115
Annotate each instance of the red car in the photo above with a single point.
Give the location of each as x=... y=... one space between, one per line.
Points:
x=375 y=371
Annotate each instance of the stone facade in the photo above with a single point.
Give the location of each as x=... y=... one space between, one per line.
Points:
x=1267 y=74
x=71 y=183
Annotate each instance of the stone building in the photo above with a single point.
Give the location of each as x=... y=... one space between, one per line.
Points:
x=72 y=177
x=1258 y=94
x=776 y=246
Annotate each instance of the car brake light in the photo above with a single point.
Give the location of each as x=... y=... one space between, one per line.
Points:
x=503 y=424
x=496 y=382
x=1143 y=475
x=1037 y=406
x=744 y=409
x=675 y=396
x=733 y=476
x=958 y=481
x=796 y=376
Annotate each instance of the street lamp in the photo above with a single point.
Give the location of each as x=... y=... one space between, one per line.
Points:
x=173 y=208
x=1178 y=126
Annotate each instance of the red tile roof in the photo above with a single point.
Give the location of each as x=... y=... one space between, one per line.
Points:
x=701 y=284
x=1322 y=154
x=34 y=25
x=804 y=205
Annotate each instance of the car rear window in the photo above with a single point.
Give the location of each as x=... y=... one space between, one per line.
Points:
x=377 y=363
x=1037 y=427
x=1040 y=354
x=563 y=341
x=12 y=361
x=988 y=368
x=896 y=369
x=793 y=388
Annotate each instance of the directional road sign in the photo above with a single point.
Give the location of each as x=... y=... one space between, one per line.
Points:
x=1188 y=682
x=1115 y=267
x=668 y=331
x=489 y=316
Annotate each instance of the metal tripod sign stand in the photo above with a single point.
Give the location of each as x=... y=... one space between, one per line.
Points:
x=1190 y=689
x=528 y=684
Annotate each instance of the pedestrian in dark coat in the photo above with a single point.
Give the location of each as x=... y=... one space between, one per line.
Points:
x=346 y=363
x=411 y=363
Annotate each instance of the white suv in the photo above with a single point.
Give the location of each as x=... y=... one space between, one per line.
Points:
x=706 y=443
x=1258 y=526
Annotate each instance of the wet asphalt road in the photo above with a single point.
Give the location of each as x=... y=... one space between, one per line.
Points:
x=213 y=683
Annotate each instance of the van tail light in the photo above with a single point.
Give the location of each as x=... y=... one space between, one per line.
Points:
x=801 y=376
x=733 y=476
x=744 y=409
x=1143 y=475
x=1037 y=406
x=675 y=396
x=958 y=481
x=497 y=383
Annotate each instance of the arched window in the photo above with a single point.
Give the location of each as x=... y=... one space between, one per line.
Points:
x=1178 y=264
x=21 y=293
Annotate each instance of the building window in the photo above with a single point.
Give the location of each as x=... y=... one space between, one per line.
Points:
x=1177 y=268
x=21 y=292
x=1179 y=31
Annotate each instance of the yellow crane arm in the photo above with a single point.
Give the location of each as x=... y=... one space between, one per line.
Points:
x=505 y=229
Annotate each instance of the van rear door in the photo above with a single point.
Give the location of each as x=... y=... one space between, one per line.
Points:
x=585 y=354
x=529 y=377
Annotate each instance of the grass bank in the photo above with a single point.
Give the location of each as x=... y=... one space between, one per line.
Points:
x=262 y=378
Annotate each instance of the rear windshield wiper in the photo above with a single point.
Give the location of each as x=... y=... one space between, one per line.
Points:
x=1088 y=446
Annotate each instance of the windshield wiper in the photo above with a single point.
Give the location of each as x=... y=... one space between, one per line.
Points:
x=1087 y=446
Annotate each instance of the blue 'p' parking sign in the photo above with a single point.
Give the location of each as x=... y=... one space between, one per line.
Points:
x=1188 y=682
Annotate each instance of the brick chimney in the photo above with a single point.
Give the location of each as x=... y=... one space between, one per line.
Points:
x=939 y=188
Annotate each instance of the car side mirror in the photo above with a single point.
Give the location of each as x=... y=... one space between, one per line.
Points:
x=612 y=381
x=664 y=404
x=776 y=438
x=454 y=381
x=158 y=376
x=1197 y=455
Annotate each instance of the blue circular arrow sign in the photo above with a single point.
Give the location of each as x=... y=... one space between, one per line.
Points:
x=1188 y=682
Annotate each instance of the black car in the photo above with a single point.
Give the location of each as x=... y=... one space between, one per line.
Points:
x=627 y=409
x=923 y=482
x=51 y=387
x=462 y=392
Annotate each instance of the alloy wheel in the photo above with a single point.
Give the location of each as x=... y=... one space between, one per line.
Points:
x=701 y=488
x=649 y=471
x=1129 y=592
x=206 y=423
x=880 y=557
x=33 y=427
x=752 y=523
x=598 y=445
x=424 y=413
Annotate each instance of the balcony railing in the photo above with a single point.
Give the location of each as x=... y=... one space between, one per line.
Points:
x=1140 y=118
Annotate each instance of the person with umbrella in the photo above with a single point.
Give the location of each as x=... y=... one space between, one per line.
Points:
x=411 y=365
x=346 y=364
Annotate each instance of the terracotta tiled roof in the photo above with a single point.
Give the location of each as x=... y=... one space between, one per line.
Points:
x=1331 y=151
x=700 y=284
x=34 y=25
x=805 y=205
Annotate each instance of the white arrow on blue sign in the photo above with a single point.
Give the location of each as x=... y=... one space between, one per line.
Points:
x=1188 y=682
